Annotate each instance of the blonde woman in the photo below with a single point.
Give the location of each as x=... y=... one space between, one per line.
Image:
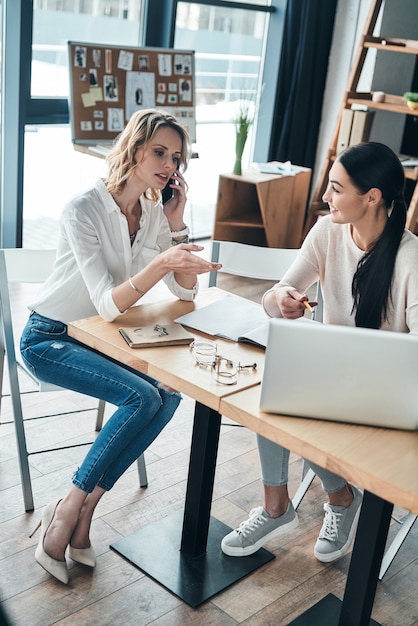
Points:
x=117 y=240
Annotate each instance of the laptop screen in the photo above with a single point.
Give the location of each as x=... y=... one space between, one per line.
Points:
x=341 y=373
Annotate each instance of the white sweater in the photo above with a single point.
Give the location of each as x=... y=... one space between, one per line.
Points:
x=330 y=255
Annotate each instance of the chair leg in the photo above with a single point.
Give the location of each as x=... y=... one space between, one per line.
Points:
x=8 y=351
x=100 y=415
x=308 y=476
x=20 y=436
x=142 y=471
x=391 y=552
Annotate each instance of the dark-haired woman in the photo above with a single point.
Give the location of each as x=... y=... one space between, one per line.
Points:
x=116 y=242
x=368 y=267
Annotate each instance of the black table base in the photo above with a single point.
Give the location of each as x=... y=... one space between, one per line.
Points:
x=325 y=613
x=155 y=550
x=183 y=551
x=369 y=545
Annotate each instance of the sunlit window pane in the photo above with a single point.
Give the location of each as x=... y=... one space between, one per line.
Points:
x=228 y=45
x=55 y=22
x=265 y=3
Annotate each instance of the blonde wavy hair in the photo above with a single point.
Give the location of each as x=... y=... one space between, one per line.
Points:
x=139 y=131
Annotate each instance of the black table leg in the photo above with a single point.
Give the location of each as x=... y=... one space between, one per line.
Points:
x=203 y=454
x=363 y=574
x=183 y=553
x=356 y=607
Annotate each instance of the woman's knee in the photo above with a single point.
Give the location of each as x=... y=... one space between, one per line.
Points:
x=142 y=396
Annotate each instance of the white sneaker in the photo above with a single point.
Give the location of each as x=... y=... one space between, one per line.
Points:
x=254 y=532
x=338 y=529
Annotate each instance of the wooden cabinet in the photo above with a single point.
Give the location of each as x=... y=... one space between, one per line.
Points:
x=390 y=102
x=262 y=209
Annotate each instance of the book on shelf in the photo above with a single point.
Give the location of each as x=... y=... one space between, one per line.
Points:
x=361 y=127
x=344 y=133
x=233 y=318
x=155 y=335
x=355 y=127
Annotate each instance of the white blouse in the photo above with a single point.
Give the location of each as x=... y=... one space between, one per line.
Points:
x=94 y=255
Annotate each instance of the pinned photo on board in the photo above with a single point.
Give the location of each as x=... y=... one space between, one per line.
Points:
x=110 y=85
x=115 y=121
x=80 y=56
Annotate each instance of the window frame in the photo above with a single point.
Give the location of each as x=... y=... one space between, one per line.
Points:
x=20 y=109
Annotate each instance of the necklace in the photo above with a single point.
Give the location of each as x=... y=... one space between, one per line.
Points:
x=134 y=233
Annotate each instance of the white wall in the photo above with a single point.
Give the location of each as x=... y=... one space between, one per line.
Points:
x=387 y=72
x=349 y=23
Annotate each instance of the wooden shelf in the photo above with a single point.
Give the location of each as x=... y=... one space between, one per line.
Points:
x=262 y=209
x=392 y=103
x=342 y=136
x=391 y=44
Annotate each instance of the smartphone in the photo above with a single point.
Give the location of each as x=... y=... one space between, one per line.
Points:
x=167 y=192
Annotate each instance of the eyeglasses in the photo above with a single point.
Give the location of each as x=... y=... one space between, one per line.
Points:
x=223 y=370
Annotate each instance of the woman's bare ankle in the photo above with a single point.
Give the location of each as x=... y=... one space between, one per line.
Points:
x=344 y=497
x=276 y=500
x=57 y=536
x=277 y=510
x=81 y=535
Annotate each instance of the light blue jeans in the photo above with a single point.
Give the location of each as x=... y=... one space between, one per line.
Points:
x=144 y=407
x=274 y=460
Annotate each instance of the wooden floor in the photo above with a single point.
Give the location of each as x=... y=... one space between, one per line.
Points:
x=118 y=593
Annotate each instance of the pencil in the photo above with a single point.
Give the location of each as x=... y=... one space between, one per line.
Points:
x=308 y=306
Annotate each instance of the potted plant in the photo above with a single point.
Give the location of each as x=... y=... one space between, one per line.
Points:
x=242 y=123
x=411 y=98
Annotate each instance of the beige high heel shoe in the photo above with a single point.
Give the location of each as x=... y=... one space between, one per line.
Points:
x=85 y=556
x=56 y=568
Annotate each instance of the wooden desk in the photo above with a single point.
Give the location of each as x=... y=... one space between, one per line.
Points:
x=193 y=566
x=175 y=365
x=383 y=462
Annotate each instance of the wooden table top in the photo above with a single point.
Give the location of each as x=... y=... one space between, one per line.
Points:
x=380 y=460
x=172 y=365
x=383 y=461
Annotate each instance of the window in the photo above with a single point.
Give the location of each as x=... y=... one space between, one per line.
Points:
x=229 y=44
x=55 y=22
x=229 y=47
x=53 y=170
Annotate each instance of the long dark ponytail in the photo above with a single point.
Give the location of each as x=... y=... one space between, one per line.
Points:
x=371 y=165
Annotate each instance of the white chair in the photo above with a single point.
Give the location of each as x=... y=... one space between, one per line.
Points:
x=29 y=266
x=247 y=261
x=261 y=263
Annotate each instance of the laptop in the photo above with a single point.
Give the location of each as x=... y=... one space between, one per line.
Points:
x=340 y=373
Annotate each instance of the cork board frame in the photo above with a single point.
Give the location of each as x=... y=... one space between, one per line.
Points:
x=109 y=83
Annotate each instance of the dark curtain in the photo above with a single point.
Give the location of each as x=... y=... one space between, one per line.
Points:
x=302 y=74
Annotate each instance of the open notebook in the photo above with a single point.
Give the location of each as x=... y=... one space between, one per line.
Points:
x=232 y=317
x=341 y=373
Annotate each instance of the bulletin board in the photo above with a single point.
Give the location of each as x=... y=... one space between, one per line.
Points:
x=109 y=83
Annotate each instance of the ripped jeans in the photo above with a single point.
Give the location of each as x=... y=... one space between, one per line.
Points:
x=144 y=407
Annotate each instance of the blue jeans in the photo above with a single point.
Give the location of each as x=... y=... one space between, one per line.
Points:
x=274 y=460
x=144 y=407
